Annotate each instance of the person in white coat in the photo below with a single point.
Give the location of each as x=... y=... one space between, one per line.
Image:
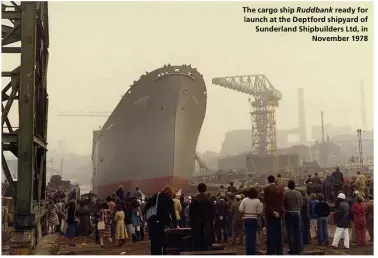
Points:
x=252 y=209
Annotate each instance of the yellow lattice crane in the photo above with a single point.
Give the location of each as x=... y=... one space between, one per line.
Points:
x=263 y=116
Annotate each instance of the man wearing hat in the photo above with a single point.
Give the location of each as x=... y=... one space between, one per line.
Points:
x=342 y=221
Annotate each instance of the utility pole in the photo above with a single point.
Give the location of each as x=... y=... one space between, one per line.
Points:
x=359 y=132
x=323 y=148
x=302 y=118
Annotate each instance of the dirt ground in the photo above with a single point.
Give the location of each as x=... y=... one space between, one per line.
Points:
x=57 y=245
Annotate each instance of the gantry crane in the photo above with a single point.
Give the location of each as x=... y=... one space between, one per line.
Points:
x=263 y=114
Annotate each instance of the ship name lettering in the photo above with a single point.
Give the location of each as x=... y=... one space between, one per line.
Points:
x=141 y=100
x=195 y=99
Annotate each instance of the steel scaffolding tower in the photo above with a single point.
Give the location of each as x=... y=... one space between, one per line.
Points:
x=25 y=31
x=266 y=99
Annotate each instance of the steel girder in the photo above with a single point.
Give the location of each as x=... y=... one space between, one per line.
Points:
x=26 y=25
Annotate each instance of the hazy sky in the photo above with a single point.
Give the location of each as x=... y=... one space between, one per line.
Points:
x=98 y=49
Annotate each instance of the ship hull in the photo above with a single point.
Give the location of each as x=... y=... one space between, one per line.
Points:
x=150 y=139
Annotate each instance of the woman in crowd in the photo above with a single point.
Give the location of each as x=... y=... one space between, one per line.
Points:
x=184 y=204
x=84 y=229
x=61 y=214
x=120 y=230
x=177 y=205
x=53 y=217
x=124 y=209
x=359 y=219
x=105 y=217
x=164 y=217
x=71 y=223
x=96 y=221
x=136 y=219
x=314 y=217
x=186 y=212
x=129 y=221
x=252 y=209
x=143 y=229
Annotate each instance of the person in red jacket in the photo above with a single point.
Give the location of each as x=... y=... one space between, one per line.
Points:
x=359 y=219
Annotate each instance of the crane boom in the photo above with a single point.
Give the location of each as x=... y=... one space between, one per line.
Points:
x=255 y=85
x=263 y=116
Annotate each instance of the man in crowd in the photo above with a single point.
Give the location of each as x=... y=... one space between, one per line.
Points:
x=361 y=183
x=342 y=220
x=370 y=186
x=316 y=184
x=279 y=181
x=202 y=214
x=116 y=199
x=337 y=182
x=120 y=192
x=305 y=215
x=230 y=199
x=221 y=219
x=222 y=190
x=308 y=184
x=237 y=221
x=273 y=198
x=352 y=201
x=138 y=193
x=327 y=188
x=293 y=205
x=370 y=217
x=232 y=189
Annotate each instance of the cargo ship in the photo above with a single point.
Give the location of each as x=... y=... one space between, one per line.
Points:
x=150 y=138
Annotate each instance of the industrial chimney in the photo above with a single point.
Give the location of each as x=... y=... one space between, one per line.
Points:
x=302 y=120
